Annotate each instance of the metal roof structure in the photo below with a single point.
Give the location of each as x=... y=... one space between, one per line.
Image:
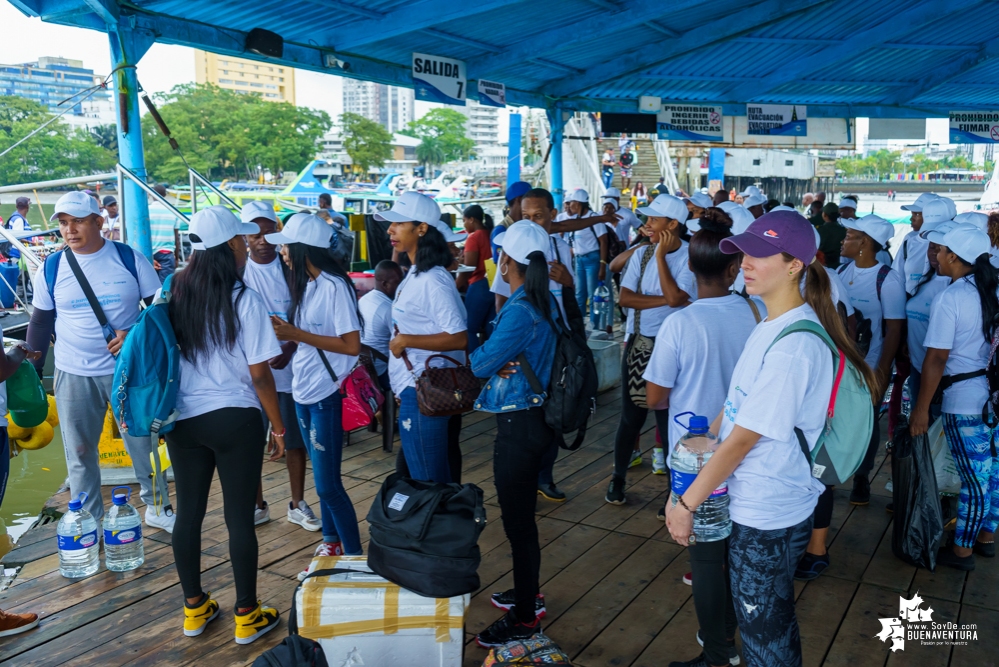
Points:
x=842 y=58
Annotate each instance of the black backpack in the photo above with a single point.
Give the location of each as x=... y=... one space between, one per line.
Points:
x=425 y=535
x=572 y=390
x=294 y=651
x=864 y=332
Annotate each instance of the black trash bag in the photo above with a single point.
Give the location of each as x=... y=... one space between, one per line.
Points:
x=917 y=527
x=294 y=651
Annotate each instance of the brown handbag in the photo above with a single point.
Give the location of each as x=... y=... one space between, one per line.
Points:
x=444 y=391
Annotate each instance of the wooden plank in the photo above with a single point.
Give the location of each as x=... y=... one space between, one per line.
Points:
x=945 y=584
x=855 y=643
x=851 y=550
x=982 y=589
x=886 y=570
x=819 y=609
x=981 y=651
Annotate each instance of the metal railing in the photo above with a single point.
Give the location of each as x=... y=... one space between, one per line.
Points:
x=124 y=173
x=194 y=178
x=666 y=164
x=580 y=163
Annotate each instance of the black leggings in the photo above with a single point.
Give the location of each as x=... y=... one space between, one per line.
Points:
x=522 y=440
x=453 y=451
x=630 y=426
x=232 y=440
x=713 y=598
x=823 y=510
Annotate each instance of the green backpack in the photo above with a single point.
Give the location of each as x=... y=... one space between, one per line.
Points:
x=849 y=422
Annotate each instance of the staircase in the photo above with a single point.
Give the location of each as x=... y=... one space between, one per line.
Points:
x=646 y=166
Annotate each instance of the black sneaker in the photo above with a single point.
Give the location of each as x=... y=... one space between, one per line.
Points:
x=506 y=630
x=811 y=566
x=890 y=508
x=551 y=492
x=861 y=494
x=946 y=556
x=699 y=661
x=985 y=549
x=733 y=652
x=615 y=492
x=507 y=599
x=661 y=514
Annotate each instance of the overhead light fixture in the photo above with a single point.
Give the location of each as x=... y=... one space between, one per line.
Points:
x=265 y=43
x=333 y=62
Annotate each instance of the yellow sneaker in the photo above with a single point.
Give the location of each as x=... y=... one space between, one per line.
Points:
x=196 y=618
x=255 y=623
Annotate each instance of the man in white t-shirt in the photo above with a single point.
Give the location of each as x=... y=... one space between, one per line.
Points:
x=265 y=274
x=85 y=350
x=376 y=311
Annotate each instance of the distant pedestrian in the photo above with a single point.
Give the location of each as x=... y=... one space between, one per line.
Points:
x=607 y=168
x=626 y=160
x=112 y=221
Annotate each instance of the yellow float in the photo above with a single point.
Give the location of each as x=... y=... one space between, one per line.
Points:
x=37 y=436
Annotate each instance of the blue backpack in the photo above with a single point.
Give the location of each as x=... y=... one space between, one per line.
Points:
x=147 y=372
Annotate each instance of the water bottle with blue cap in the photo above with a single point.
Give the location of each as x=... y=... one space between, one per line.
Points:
x=79 y=544
x=123 y=550
x=601 y=306
x=691 y=453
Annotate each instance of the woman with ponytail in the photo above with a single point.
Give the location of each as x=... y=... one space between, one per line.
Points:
x=524 y=331
x=479 y=301
x=963 y=321
x=776 y=387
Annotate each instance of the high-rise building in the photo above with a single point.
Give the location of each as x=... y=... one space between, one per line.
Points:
x=50 y=81
x=274 y=83
x=389 y=106
x=482 y=126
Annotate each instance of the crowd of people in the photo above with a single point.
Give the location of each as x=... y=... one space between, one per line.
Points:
x=269 y=323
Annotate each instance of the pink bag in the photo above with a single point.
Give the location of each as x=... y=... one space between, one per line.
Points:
x=362 y=398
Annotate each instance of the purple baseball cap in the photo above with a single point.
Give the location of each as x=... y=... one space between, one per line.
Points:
x=774 y=232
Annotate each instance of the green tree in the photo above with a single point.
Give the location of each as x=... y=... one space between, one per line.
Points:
x=367 y=143
x=447 y=128
x=430 y=153
x=224 y=134
x=106 y=136
x=58 y=151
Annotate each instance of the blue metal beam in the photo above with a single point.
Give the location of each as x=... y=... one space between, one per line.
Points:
x=944 y=73
x=348 y=9
x=474 y=43
x=908 y=20
x=645 y=57
x=409 y=18
x=658 y=27
x=107 y=10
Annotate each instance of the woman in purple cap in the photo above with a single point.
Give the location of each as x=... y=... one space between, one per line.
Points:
x=776 y=387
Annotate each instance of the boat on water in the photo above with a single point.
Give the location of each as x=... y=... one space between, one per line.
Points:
x=990 y=198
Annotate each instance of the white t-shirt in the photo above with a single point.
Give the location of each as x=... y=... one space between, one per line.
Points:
x=861 y=287
x=771 y=393
x=956 y=325
x=695 y=353
x=426 y=303
x=626 y=224
x=376 y=332
x=269 y=282
x=912 y=253
x=560 y=250
x=586 y=240
x=917 y=313
x=328 y=309
x=80 y=347
x=652 y=318
x=221 y=378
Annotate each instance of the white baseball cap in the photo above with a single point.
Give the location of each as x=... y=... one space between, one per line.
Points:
x=874 y=226
x=700 y=200
x=411 y=206
x=741 y=219
x=966 y=242
x=77 y=204
x=612 y=193
x=666 y=206
x=693 y=225
x=951 y=206
x=449 y=234
x=938 y=229
x=303 y=228
x=579 y=194
x=936 y=210
x=754 y=200
x=728 y=206
x=257 y=209
x=976 y=218
x=848 y=202
x=521 y=239
x=215 y=225
x=752 y=190
x=920 y=202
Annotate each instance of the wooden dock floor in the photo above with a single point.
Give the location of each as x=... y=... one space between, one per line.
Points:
x=611 y=575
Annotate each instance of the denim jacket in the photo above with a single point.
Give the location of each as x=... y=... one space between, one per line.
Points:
x=518 y=328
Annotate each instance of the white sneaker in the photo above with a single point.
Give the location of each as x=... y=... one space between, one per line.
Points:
x=161 y=517
x=324 y=549
x=658 y=461
x=261 y=515
x=304 y=517
x=636 y=459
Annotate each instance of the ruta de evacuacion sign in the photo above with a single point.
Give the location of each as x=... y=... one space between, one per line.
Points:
x=777 y=119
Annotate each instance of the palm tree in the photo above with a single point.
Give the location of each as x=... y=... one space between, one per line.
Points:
x=430 y=153
x=105 y=136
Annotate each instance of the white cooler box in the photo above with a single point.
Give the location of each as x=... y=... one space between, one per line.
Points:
x=359 y=618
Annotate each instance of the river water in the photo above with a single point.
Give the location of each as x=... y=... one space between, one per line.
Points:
x=34 y=477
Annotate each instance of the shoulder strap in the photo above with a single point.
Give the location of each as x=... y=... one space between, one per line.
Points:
x=905 y=251
x=50 y=267
x=810 y=327
x=842 y=267
x=882 y=274
x=326 y=363
x=127 y=258
x=88 y=291
x=752 y=306
x=646 y=256
x=532 y=378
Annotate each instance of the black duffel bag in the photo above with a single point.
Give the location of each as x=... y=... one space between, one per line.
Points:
x=424 y=536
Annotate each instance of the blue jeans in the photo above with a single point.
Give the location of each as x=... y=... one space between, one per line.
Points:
x=168 y=263
x=608 y=176
x=424 y=440
x=322 y=430
x=587 y=270
x=481 y=307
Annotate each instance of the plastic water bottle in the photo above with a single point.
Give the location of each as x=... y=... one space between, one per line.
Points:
x=79 y=545
x=692 y=451
x=601 y=307
x=123 y=549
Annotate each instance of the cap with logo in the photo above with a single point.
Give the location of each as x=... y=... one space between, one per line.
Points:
x=741 y=219
x=772 y=233
x=752 y=190
x=414 y=207
x=579 y=194
x=521 y=239
x=936 y=230
x=920 y=202
x=754 y=200
x=215 y=225
x=518 y=189
x=257 y=209
x=874 y=226
x=700 y=200
x=935 y=211
x=303 y=228
x=951 y=206
x=666 y=206
x=77 y=204
x=848 y=202
x=965 y=241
